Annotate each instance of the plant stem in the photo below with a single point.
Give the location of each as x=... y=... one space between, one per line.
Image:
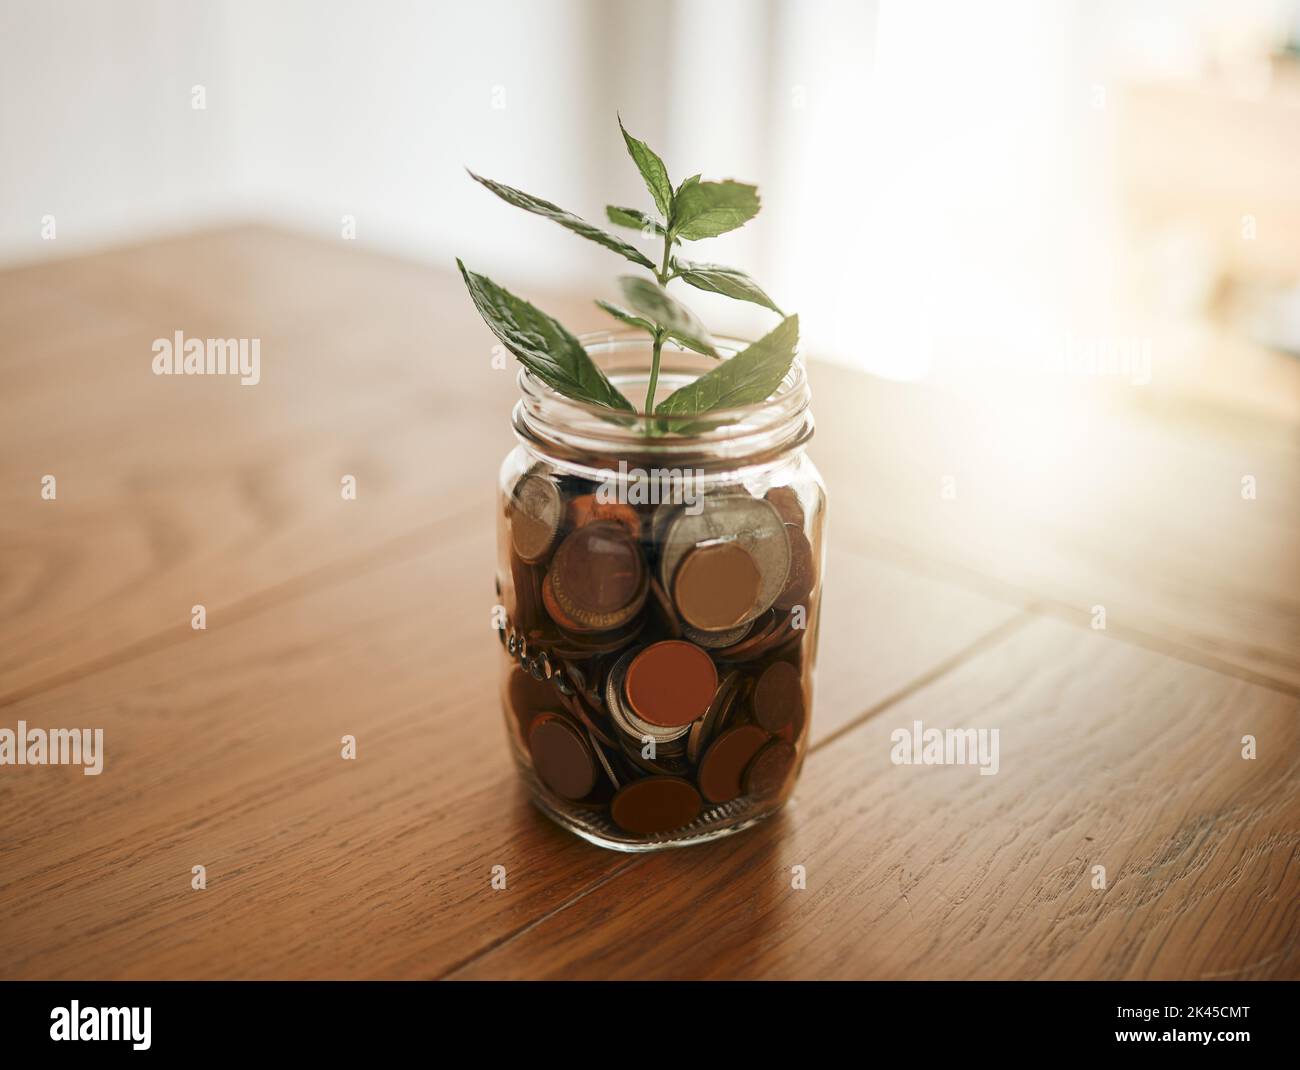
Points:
x=654 y=373
x=661 y=276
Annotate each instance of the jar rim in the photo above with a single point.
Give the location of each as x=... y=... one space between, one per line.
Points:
x=547 y=419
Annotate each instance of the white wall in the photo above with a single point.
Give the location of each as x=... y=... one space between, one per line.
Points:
x=933 y=172
x=96 y=127
x=376 y=110
x=313 y=111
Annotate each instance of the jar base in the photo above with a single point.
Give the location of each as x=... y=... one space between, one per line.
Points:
x=596 y=827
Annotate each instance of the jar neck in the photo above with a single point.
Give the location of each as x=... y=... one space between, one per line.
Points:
x=581 y=435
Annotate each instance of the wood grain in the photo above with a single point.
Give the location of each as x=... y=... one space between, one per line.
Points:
x=370 y=617
x=1081 y=504
x=1110 y=756
x=216 y=491
x=223 y=751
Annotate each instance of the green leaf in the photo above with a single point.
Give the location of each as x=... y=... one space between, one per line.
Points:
x=624 y=316
x=707 y=209
x=665 y=311
x=688 y=182
x=748 y=378
x=728 y=281
x=541 y=344
x=631 y=218
x=537 y=206
x=652 y=170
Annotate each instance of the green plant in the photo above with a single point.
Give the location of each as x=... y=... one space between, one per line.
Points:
x=689 y=212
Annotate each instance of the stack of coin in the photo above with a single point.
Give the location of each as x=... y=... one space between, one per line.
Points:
x=726 y=564
x=658 y=663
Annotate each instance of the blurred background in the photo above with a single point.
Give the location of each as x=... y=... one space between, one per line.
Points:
x=1001 y=195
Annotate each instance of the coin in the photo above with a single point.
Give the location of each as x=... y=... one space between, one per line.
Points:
x=778 y=696
x=662 y=764
x=582 y=645
x=767 y=773
x=604 y=761
x=597 y=580
x=627 y=719
x=535 y=512
x=529 y=697
x=758 y=631
x=780 y=633
x=664 y=611
x=655 y=804
x=525 y=607
x=786 y=502
x=663 y=516
x=716 y=640
x=588 y=508
x=594 y=722
x=726 y=759
x=703 y=730
x=671 y=683
x=751 y=523
x=562 y=756
x=803 y=570
x=716 y=586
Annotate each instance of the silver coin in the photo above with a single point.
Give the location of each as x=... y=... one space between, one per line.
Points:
x=716 y=640
x=622 y=715
x=603 y=758
x=536 y=510
x=752 y=523
x=663 y=516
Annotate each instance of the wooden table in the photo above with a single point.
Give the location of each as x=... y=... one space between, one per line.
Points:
x=1120 y=748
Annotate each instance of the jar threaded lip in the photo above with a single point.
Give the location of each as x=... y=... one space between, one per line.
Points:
x=548 y=420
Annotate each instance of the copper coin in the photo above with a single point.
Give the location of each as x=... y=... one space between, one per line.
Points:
x=771 y=766
x=703 y=730
x=760 y=629
x=655 y=804
x=626 y=718
x=562 y=756
x=588 y=509
x=778 y=696
x=792 y=731
x=781 y=634
x=529 y=697
x=525 y=605
x=716 y=586
x=582 y=644
x=803 y=570
x=726 y=760
x=671 y=683
x=786 y=502
x=535 y=514
x=664 y=611
x=751 y=523
x=597 y=578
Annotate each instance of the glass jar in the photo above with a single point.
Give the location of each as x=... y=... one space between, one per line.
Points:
x=659 y=595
